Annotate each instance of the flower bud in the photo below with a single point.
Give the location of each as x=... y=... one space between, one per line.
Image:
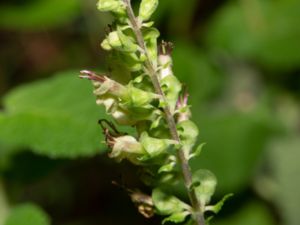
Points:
x=105 y=45
x=165 y=60
x=127 y=41
x=147 y=8
x=127 y=147
x=119 y=41
x=171 y=87
x=169 y=83
x=114 y=6
x=114 y=40
x=182 y=108
x=150 y=36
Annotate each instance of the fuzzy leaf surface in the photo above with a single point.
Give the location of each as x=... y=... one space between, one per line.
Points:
x=27 y=214
x=56 y=117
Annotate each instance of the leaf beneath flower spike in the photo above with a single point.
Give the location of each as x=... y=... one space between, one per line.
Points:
x=56 y=117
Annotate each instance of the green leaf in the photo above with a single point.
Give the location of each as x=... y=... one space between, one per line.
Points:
x=171 y=86
x=39 y=14
x=27 y=214
x=283 y=156
x=265 y=32
x=177 y=217
x=198 y=151
x=166 y=204
x=56 y=117
x=188 y=132
x=167 y=168
x=217 y=207
x=208 y=183
x=147 y=8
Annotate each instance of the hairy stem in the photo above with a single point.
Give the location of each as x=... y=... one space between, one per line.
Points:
x=152 y=71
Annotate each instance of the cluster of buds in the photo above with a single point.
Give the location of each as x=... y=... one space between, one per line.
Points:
x=132 y=100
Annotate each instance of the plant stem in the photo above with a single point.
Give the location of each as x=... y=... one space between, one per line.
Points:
x=186 y=170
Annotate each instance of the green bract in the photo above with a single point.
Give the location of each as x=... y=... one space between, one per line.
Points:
x=127 y=147
x=167 y=204
x=207 y=184
x=188 y=132
x=155 y=146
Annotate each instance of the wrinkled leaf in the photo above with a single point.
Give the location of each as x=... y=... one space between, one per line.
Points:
x=56 y=117
x=207 y=185
x=27 y=214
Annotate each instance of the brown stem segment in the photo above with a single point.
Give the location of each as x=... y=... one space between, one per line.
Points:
x=186 y=170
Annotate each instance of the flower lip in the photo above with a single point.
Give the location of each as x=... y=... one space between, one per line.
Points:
x=87 y=74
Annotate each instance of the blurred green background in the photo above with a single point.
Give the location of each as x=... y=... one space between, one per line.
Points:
x=241 y=62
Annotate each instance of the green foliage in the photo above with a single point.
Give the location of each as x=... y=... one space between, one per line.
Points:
x=38 y=14
x=54 y=117
x=232 y=144
x=260 y=36
x=283 y=155
x=27 y=214
x=265 y=32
